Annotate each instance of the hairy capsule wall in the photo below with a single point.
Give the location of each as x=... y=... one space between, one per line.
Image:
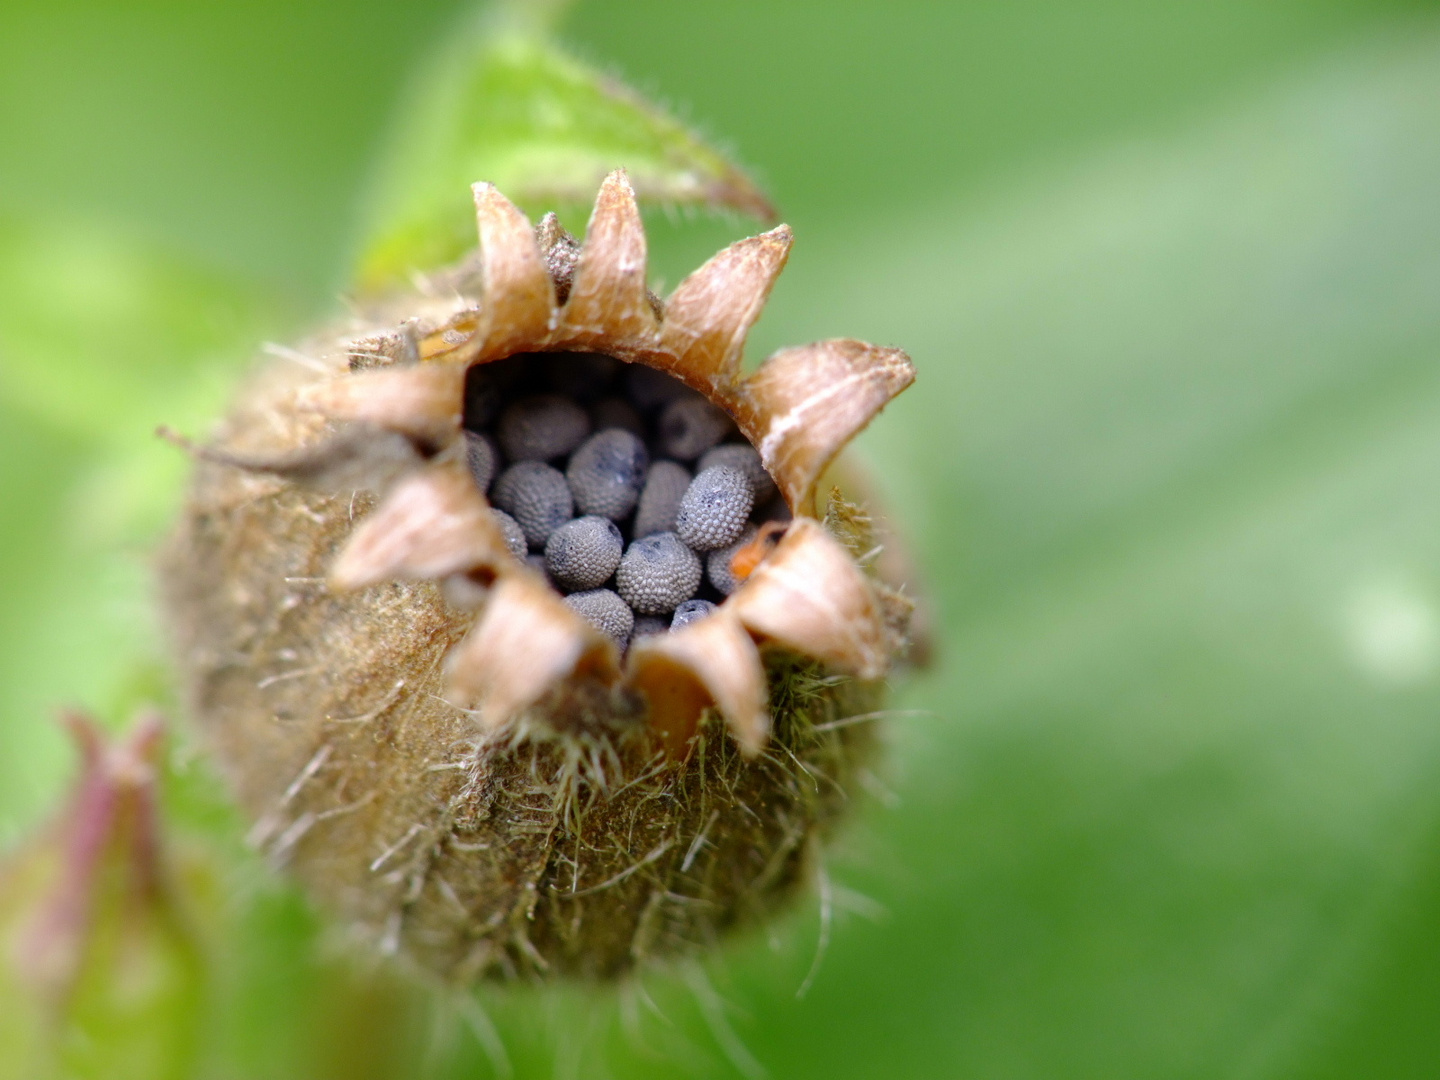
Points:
x=574 y=738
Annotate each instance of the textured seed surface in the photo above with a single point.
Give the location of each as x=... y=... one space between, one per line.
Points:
x=541 y=427
x=646 y=625
x=605 y=611
x=616 y=412
x=537 y=496
x=717 y=563
x=744 y=457
x=689 y=426
x=658 y=573
x=483 y=458
x=665 y=486
x=582 y=554
x=714 y=509
x=606 y=473
x=514 y=535
x=690 y=611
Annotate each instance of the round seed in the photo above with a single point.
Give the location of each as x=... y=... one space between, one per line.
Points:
x=582 y=554
x=579 y=375
x=616 y=412
x=689 y=426
x=482 y=457
x=658 y=573
x=665 y=486
x=717 y=563
x=541 y=427
x=514 y=535
x=605 y=611
x=746 y=458
x=537 y=497
x=647 y=625
x=606 y=473
x=649 y=389
x=690 y=611
x=715 y=508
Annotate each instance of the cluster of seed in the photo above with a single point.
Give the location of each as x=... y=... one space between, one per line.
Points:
x=627 y=489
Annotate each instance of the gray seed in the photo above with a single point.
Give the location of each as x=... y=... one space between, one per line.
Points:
x=582 y=554
x=746 y=458
x=616 y=412
x=649 y=389
x=606 y=473
x=514 y=535
x=690 y=611
x=537 y=497
x=646 y=625
x=690 y=426
x=541 y=427
x=665 y=486
x=482 y=457
x=715 y=508
x=605 y=611
x=658 y=573
x=717 y=563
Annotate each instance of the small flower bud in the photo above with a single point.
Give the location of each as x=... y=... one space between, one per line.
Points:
x=606 y=473
x=537 y=497
x=658 y=573
x=715 y=508
x=541 y=427
x=690 y=611
x=605 y=611
x=665 y=486
x=483 y=458
x=582 y=554
x=691 y=425
x=746 y=458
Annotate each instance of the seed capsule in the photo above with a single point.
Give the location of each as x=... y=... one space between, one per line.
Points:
x=582 y=554
x=657 y=573
x=537 y=497
x=714 y=509
x=542 y=427
x=606 y=473
x=474 y=771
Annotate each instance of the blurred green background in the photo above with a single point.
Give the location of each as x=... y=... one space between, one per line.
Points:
x=1170 y=273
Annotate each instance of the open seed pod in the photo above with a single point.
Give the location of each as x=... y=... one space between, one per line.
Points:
x=495 y=761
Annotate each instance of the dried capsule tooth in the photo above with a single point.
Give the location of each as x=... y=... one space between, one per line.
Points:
x=526 y=642
x=710 y=313
x=519 y=295
x=423 y=402
x=430 y=524
x=400 y=347
x=608 y=302
x=805 y=403
x=681 y=673
x=810 y=596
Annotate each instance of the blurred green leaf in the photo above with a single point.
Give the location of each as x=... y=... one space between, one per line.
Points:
x=505 y=105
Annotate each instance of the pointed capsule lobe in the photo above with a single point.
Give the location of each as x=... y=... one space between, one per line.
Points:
x=607 y=302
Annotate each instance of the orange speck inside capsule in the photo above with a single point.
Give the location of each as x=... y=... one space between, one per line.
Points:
x=744 y=561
